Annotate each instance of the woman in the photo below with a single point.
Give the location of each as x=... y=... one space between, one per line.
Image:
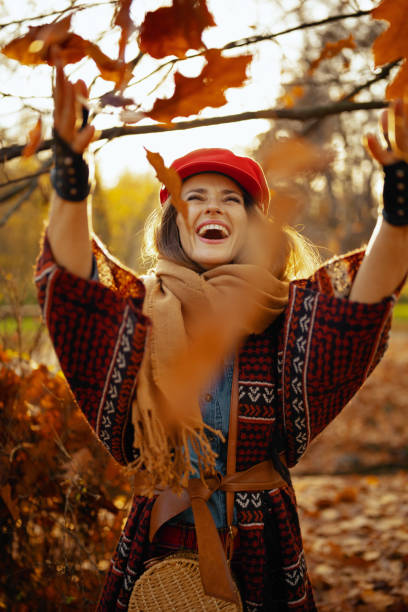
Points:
x=292 y=354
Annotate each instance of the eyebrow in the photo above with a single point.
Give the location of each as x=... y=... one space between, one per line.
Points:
x=224 y=191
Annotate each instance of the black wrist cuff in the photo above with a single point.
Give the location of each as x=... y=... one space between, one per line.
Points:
x=70 y=175
x=395 y=194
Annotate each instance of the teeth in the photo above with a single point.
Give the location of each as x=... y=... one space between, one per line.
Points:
x=213 y=226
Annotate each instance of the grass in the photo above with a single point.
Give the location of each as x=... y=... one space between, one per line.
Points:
x=401 y=312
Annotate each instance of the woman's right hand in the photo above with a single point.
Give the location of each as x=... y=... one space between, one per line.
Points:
x=68 y=111
x=69 y=226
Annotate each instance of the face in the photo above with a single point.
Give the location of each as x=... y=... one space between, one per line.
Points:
x=217 y=220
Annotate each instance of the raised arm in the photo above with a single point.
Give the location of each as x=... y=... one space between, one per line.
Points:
x=69 y=223
x=386 y=261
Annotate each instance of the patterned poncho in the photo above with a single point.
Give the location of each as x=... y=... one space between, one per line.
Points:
x=294 y=378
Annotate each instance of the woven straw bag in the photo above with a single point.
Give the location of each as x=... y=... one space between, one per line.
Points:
x=174 y=584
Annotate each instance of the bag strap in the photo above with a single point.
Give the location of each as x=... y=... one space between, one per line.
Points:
x=232 y=457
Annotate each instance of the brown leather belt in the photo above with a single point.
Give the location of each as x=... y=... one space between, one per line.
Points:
x=214 y=569
x=215 y=573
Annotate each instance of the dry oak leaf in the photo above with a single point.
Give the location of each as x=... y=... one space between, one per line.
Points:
x=173 y=30
x=207 y=89
x=331 y=49
x=170 y=179
x=292 y=157
x=110 y=70
x=34 y=139
x=123 y=20
x=34 y=47
x=392 y=44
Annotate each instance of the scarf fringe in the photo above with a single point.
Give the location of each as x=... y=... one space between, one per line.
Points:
x=164 y=460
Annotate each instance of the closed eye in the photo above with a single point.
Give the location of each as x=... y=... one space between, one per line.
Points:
x=233 y=199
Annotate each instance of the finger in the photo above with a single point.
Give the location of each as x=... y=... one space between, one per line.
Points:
x=59 y=93
x=377 y=151
x=81 y=89
x=384 y=127
x=398 y=130
x=83 y=138
x=67 y=116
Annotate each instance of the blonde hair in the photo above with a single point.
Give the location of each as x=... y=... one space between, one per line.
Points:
x=161 y=237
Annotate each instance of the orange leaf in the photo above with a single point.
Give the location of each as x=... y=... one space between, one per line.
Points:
x=34 y=139
x=111 y=70
x=5 y=493
x=172 y=30
x=207 y=89
x=123 y=20
x=392 y=44
x=397 y=87
x=331 y=49
x=33 y=48
x=170 y=180
x=292 y=157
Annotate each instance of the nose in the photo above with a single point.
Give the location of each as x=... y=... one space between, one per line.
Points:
x=213 y=206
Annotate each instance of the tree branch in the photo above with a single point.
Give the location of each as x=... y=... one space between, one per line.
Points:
x=81 y=7
x=292 y=114
x=19 y=203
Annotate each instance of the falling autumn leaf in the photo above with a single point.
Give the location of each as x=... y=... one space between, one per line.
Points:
x=38 y=46
x=34 y=47
x=291 y=157
x=207 y=89
x=123 y=20
x=34 y=139
x=110 y=70
x=392 y=44
x=172 y=30
x=331 y=49
x=170 y=179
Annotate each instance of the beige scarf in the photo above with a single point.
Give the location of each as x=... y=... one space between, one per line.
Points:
x=197 y=320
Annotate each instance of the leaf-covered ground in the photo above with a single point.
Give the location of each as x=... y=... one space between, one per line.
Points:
x=355 y=525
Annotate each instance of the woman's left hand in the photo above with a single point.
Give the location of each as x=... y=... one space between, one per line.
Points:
x=394 y=127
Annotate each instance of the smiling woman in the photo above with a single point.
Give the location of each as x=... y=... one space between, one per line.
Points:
x=211 y=375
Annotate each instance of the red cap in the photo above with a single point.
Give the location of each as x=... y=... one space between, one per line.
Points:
x=244 y=170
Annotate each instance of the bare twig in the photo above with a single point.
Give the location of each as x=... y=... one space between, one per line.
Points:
x=45 y=168
x=292 y=114
x=80 y=7
x=19 y=203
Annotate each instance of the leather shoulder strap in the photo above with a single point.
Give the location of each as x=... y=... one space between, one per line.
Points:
x=232 y=438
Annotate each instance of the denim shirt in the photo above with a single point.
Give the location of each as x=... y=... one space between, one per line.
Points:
x=215 y=408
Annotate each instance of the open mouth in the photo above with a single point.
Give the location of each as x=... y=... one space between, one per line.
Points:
x=213 y=232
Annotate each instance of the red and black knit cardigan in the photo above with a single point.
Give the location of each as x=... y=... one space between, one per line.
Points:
x=293 y=380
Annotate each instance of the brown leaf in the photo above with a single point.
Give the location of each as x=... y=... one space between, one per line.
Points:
x=392 y=44
x=111 y=70
x=5 y=493
x=331 y=49
x=207 y=89
x=169 y=178
x=33 y=48
x=397 y=87
x=292 y=157
x=172 y=30
x=34 y=139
